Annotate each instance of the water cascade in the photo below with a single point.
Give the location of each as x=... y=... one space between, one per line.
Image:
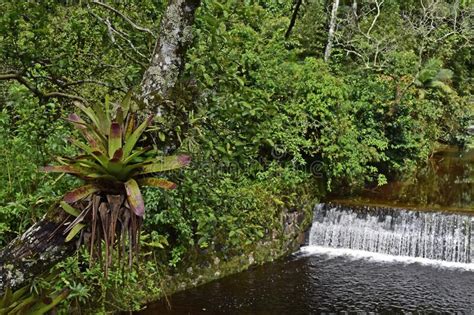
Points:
x=430 y=235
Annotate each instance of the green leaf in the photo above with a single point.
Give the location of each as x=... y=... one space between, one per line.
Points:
x=46 y=307
x=125 y=104
x=103 y=117
x=95 y=154
x=89 y=133
x=69 y=209
x=134 y=197
x=7 y=297
x=132 y=140
x=167 y=163
x=156 y=182
x=80 y=193
x=129 y=126
x=162 y=136
x=89 y=112
x=136 y=154
x=76 y=229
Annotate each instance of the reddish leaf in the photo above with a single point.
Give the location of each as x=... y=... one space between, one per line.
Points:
x=80 y=193
x=115 y=138
x=61 y=169
x=134 y=197
x=118 y=155
x=77 y=121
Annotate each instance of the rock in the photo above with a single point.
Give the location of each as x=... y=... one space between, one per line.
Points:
x=251 y=259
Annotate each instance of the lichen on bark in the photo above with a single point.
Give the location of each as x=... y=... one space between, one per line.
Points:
x=168 y=56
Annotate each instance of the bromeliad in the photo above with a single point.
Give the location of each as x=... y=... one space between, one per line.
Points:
x=114 y=168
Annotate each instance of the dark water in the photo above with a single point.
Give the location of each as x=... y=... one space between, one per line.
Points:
x=324 y=283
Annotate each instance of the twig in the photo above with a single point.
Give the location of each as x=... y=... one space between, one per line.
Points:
x=123 y=16
x=21 y=79
x=375 y=18
x=111 y=30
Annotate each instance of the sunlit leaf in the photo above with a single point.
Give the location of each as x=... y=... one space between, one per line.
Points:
x=76 y=229
x=156 y=182
x=134 y=197
x=166 y=163
x=69 y=209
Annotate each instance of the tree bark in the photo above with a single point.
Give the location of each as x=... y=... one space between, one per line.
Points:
x=168 y=56
x=34 y=252
x=293 y=18
x=43 y=244
x=332 y=27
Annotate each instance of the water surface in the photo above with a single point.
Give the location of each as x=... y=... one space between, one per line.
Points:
x=322 y=281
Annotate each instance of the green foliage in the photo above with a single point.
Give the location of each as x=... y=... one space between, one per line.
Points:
x=225 y=211
x=30 y=135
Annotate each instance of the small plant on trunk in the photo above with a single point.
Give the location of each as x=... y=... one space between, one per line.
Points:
x=109 y=208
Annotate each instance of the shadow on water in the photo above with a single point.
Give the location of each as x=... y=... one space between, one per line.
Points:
x=326 y=283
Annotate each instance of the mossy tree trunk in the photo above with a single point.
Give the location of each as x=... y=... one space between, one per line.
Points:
x=43 y=244
x=34 y=252
x=168 y=56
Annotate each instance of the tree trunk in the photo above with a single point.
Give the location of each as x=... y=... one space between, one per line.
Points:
x=43 y=244
x=168 y=56
x=34 y=252
x=332 y=27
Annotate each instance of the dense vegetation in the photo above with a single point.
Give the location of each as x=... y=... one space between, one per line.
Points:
x=269 y=122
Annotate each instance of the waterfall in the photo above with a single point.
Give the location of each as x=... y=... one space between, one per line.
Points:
x=397 y=232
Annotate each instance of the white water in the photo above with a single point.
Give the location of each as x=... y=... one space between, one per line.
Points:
x=354 y=254
x=397 y=236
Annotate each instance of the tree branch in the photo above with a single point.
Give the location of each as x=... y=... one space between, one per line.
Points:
x=293 y=18
x=106 y=84
x=378 y=5
x=111 y=31
x=44 y=95
x=123 y=16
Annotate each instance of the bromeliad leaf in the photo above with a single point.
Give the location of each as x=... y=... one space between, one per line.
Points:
x=167 y=163
x=62 y=169
x=125 y=104
x=76 y=229
x=80 y=193
x=69 y=209
x=115 y=138
x=134 y=197
x=157 y=182
x=132 y=140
